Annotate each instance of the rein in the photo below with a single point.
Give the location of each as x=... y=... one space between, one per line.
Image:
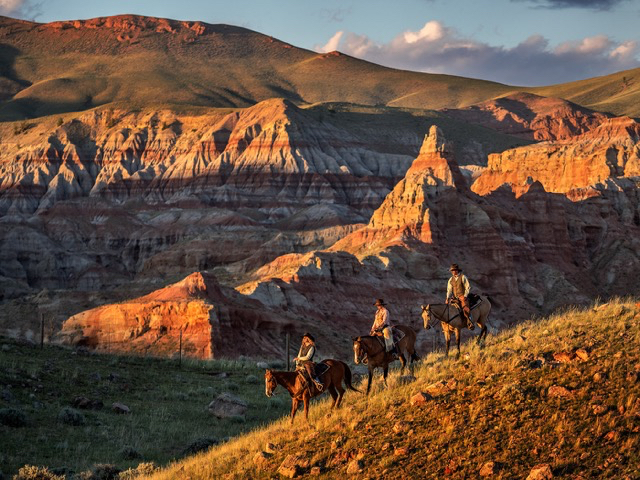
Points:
x=371 y=354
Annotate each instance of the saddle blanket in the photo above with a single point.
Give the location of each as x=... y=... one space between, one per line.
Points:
x=397 y=336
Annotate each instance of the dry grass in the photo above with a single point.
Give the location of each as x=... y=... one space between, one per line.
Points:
x=500 y=410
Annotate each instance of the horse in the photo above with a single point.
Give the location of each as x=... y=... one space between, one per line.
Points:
x=332 y=379
x=452 y=321
x=378 y=357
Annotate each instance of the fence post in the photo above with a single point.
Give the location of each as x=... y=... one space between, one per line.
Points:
x=41 y=331
x=287 y=341
x=180 y=354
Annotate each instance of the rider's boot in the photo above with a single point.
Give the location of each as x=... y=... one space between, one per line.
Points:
x=318 y=383
x=470 y=324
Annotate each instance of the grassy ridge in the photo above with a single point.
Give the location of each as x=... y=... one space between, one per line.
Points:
x=512 y=403
x=168 y=417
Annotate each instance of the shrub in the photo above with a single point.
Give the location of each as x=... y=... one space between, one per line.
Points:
x=199 y=445
x=145 y=468
x=31 y=472
x=12 y=417
x=104 y=471
x=129 y=453
x=70 y=416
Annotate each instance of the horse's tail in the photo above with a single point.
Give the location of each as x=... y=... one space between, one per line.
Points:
x=347 y=378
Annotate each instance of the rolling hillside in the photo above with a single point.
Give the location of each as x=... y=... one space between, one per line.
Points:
x=561 y=394
x=136 y=62
x=143 y=61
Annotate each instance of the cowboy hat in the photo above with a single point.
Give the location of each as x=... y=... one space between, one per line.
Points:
x=379 y=302
x=309 y=336
x=454 y=267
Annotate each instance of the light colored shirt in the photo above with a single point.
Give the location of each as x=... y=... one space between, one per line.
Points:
x=305 y=358
x=465 y=284
x=381 y=320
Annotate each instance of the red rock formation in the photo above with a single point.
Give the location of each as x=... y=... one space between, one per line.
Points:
x=214 y=323
x=531 y=116
x=572 y=167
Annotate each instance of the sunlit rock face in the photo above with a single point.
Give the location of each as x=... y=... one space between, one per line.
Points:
x=209 y=320
x=576 y=167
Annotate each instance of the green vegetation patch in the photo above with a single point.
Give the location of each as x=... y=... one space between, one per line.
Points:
x=57 y=409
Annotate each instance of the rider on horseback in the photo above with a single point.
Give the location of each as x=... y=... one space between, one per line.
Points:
x=382 y=326
x=304 y=360
x=458 y=288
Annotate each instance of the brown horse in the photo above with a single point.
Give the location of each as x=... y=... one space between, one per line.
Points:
x=331 y=379
x=378 y=357
x=452 y=321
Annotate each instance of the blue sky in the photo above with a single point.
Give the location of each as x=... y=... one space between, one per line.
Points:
x=520 y=42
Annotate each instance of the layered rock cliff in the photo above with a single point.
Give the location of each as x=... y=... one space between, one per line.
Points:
x=210 y=320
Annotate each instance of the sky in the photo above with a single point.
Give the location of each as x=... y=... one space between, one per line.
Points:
x=517 y=42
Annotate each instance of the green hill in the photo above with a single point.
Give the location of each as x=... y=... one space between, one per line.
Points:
x=137 y=62
x=524 y=400
x=143 y=61
x=618 y=93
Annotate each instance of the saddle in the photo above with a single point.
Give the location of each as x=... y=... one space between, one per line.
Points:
x=320 y=369
x=397 y=336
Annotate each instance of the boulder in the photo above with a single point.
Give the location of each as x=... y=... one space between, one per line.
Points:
x=487 y=469
x=582 y=354
x=261 y=460
x=293 y=466
x=420 y=399
x=120 y=408
x=564 y=357
x=355 y=466
x=227 y=405
x=559 y=392
x=541 y=472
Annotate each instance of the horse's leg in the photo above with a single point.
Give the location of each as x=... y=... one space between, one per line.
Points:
x=340 y=394
x=334 y=394
x=370 y=377
x=294 y=408
x=385 y=371
x=447 y=338
x=305 y=402
x=457 y=332
x=403 y=361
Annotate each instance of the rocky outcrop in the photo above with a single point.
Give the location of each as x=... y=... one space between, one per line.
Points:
x=213 y=322
x=531 y=116
x=574 y=167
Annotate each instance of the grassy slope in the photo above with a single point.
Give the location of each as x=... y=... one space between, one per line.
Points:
x=499 y=411
x=46 y=70
x=168 y=406
x=618 y=93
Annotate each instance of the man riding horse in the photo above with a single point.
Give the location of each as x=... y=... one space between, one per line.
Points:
x=304 y=360
x=382 y=326
x=458 y=288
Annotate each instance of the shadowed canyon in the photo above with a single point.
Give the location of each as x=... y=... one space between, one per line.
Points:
x=159 y=177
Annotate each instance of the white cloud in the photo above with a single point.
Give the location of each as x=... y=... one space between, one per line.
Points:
x=332 y=44
x=437 y=48
x=26 y=9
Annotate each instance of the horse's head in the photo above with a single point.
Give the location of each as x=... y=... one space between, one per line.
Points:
x=358 y=350
x=270 y=383
x=426 y=316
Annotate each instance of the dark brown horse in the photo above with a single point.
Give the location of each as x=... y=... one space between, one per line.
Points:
x=451 y=320
x=378 y=357
x=331 y=379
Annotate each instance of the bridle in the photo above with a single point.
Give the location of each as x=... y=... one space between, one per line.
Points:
x=360 y=350
x=427 y=308
x=270 y=383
